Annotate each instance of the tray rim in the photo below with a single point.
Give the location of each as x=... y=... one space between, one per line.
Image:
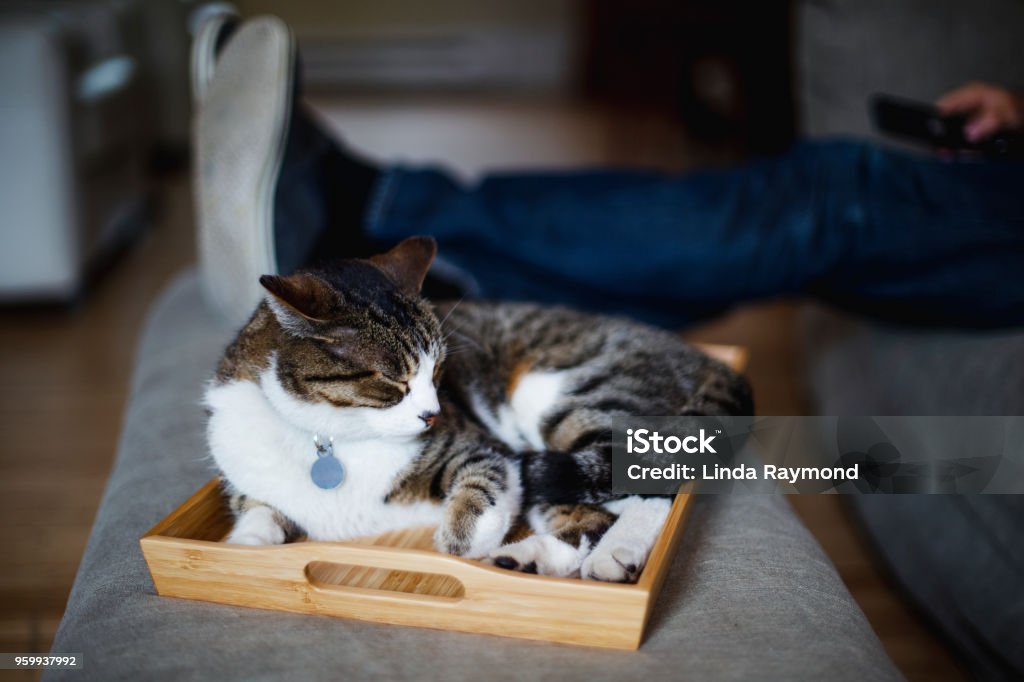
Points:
x=495 y=601
x=635 y=601
x=663 y=547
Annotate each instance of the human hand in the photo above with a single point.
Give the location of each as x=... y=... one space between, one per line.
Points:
x=989 y=109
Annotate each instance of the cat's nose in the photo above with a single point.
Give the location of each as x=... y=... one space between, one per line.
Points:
x=428 y=418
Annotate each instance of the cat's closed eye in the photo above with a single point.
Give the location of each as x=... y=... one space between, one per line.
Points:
x=387 y=392
x=399 y=383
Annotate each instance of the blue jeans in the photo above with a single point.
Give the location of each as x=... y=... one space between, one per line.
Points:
x=907 y=238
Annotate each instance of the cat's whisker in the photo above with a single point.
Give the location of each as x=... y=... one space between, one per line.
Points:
x=450 y=311
x=464 y=336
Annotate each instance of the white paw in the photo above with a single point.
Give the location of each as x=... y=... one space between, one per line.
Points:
x=491 y=528
x=255 y=538
x=543 y=554
x=256 y=527
x=616 y=561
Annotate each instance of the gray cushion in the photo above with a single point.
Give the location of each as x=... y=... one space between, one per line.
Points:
x=750 y=596
x=960 y=557
x=857 y=367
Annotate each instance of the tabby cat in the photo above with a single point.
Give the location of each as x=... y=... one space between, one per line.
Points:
x=349 y=406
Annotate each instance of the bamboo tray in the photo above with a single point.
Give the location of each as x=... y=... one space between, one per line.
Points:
x=398 y=578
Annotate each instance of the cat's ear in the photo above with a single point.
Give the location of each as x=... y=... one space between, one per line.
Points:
x=407 y=264
x=300 y=298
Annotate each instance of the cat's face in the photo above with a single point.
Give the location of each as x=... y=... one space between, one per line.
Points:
x=362 y=352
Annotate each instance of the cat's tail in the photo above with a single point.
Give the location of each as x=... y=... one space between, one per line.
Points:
x=581 y=476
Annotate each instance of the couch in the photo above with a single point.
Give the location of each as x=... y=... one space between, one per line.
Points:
x=751 y=595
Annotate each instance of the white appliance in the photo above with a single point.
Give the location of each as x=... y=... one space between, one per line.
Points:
x=73 y=145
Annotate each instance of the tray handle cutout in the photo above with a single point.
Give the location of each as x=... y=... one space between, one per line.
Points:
x=343 y=575
x=382 y=575
x=327 y=575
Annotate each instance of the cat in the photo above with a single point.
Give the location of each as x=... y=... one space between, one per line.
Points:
x=465 y=416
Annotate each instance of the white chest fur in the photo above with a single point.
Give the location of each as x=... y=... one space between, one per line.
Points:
x=518 y=421
x=268 y=459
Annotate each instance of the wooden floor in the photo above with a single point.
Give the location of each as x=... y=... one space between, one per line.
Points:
x=64 y=372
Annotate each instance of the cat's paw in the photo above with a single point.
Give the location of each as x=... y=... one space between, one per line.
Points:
x=475 y=539
x=616 y=561
x=543 y=554
x=256 y=527
x=270 y=536
x=489 y=532
x=451 y=539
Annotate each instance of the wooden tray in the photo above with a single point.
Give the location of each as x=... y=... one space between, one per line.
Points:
x=398 y=578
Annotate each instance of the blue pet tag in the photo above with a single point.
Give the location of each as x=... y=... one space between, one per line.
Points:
x=327 y=471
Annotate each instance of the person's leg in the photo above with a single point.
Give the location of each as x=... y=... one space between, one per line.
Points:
x=668 y=249
x=908 y=238
x=933 y=241
x=889 y=234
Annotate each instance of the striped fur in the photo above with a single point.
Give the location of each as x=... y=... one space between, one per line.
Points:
x=610 y=366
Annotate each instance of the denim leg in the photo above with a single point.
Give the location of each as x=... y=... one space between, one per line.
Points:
x=933 y=241
x=873 y=230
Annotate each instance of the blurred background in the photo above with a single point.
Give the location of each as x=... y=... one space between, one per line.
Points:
x=96 y=212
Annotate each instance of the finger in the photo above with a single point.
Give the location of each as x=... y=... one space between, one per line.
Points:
x=966 y=98
x=984 y=125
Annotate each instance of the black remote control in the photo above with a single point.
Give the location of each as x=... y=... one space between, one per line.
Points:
x=922 y=122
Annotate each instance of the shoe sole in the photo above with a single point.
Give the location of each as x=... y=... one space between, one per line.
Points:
x=240 y=134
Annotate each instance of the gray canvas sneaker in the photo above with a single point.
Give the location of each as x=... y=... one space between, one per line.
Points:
x=240 y=132
x=274 y=190
x=211 y=37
